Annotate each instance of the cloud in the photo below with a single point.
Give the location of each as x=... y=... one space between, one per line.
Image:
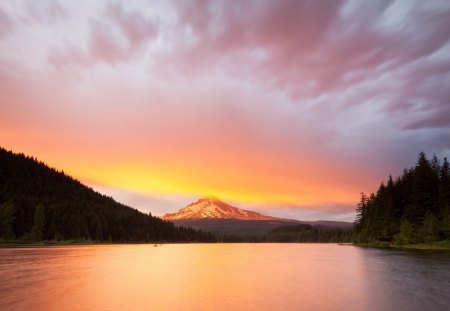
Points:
x=116 y=38
x=6 y=24
x=45 y=11
x=104 y=46
x=312 y=48
x=156 y=204
x=137 y=29
x=301 y=103
x=325 y=211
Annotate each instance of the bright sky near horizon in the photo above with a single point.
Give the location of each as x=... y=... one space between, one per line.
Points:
x=289 y=108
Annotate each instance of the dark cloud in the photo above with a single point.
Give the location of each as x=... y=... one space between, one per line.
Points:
x=311 y=48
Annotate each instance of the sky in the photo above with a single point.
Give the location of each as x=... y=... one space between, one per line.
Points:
x=289 y=108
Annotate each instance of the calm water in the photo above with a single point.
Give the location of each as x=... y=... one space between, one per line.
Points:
x=222 y=277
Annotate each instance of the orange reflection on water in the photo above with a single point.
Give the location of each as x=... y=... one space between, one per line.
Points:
x=216 y=277
x=176 y=277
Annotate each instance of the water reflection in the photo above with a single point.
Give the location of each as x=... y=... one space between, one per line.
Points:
x=222 y=277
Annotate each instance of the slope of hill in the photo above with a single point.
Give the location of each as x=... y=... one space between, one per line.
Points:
x=40 y=203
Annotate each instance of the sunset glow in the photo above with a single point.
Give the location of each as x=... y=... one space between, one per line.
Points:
x=288 y=107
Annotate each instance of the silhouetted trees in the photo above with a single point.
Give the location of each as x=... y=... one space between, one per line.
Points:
x=7 y=217
x=308 y=233
x=37 y=232
x=300 y=233
x=40 y=203
x=413 y=208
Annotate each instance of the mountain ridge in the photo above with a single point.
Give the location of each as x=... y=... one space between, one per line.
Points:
x=213 y=208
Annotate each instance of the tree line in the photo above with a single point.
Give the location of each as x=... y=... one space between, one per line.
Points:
x=40 y=203
x=412 y=208
x=300 y=233
x=305 y=233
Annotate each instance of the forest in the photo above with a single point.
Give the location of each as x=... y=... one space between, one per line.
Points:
x=304 y=233
x=39 y=203
x=412 y=208
x=299 y=233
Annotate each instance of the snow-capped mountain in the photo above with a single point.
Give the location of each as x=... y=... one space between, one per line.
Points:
x=213 y=208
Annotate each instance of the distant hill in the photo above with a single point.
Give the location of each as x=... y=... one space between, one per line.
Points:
x=232 y=226
x=214 y=215
x=307 y=233
x=40 y=203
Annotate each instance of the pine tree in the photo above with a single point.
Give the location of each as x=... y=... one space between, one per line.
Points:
x=424 y=190
x=361 y=212
x=37 y=232
x=389 y=211
x=406 y=233
x=444 y=198
x=412 y=208
x=7 y=217
x=430 y=228
x=99 y=231
x=435 y=165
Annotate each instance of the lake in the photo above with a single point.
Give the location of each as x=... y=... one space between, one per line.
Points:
x=223 y=277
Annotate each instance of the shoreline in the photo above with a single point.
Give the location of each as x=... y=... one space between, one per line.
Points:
x=76 y=243
x=441 y=245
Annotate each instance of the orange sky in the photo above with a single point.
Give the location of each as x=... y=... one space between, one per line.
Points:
x=291 y=109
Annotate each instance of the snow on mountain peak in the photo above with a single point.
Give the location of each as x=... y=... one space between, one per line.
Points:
x=212 y=207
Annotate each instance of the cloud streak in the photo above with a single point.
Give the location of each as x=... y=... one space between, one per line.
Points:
x=264 y=103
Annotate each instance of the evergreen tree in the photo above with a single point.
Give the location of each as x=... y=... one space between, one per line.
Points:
x=388 y=209
x=412 y=208
x=445 y=226
x=444 y=199
x=99 y=231
x=424 y=191
x=37 y=232
x=361 y=211
x=7 y=217
x=406 y=233
x=435 y=165
x=430 y=228
x=444 y=190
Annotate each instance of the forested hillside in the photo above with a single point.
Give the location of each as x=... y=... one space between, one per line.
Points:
x=412 y=208
x=307 y=233
x=39 y=203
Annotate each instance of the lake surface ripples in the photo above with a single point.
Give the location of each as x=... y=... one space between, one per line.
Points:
x=223 y=277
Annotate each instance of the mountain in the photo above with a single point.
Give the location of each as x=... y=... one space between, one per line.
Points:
x=40 y=203
x=213 y=208
x=213 y=215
